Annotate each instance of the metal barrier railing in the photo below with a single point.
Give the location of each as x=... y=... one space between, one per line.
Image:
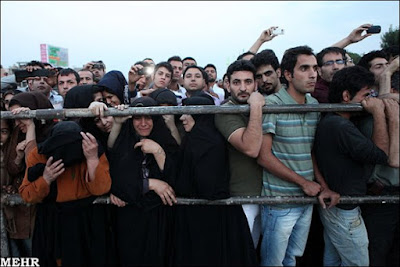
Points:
x=69 y=113
x=83 y=112
x=15 y=199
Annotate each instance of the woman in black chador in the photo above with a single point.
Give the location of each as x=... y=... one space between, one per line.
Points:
x=142 y=155
x=205 y=234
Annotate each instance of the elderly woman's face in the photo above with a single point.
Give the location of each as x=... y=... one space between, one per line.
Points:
x=143 y=125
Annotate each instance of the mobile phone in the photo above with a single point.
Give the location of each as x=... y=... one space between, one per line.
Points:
x=278 y=31
x=21 y=75
x=374 y=29
x=145 y=71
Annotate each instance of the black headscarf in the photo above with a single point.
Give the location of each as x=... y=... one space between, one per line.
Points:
x=81 y=96
x=126 y=162
x=164 y=96
x=115 y=83
x=64 y=142
x=204 y=171
x=35 y=100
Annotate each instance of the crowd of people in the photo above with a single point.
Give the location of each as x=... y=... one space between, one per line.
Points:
x=144 y=162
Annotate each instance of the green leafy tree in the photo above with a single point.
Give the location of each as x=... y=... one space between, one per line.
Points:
x=356 y=57
x=390 y=37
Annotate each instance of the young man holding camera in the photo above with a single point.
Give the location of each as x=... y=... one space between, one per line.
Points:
x=98 y=68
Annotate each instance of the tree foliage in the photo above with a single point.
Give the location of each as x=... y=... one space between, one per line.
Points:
x=356 y=57
x=390 y=37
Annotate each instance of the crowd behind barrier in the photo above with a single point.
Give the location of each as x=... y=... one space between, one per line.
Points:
x=292 y=162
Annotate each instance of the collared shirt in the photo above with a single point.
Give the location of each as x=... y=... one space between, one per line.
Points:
x=180 y=94
x=293 y=137
x=56 y=100
x=219 y=91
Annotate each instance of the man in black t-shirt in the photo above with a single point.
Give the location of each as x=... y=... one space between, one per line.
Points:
x=341 y=151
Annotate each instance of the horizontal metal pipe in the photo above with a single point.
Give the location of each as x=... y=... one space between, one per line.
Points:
x=83 y=112
x=16 y=199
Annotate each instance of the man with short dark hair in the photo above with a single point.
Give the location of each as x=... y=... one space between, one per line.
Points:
x=382 y=221
x=149 y=61
x=98 y=68
x=174 y=86
x=246 y=55
x=44 y=85
x=289 y=167
x=268 y=72
x=341 y=151
x=66 y=79
x=194 y=80
x=330 y=60
x=85 y=77
x=188 y=61
x=244 y=135
x=212 y=78
x=162 y=75
x=376 y=62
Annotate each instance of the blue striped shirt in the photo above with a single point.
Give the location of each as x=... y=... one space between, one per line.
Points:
x=293 y=137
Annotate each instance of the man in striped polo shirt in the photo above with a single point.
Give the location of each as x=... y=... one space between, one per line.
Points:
x=286 y=158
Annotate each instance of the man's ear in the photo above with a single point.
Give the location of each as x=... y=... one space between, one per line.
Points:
x=346 y=96
x=319 y=71
x=278 y=72
x=288 y=75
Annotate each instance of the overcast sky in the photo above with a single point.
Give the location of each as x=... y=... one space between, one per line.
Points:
x=121 y=33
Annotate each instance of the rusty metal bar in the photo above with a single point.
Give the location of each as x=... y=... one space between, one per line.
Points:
x=16 y=199
x=69 y=113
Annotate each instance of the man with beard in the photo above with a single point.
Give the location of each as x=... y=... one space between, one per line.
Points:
x=330 y=60
x=244 y=135
x=212 y=77
x=174 y=86
x=376 y=62
x=268 y=72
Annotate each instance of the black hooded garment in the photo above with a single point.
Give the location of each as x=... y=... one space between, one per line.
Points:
x=208 y=235
x=77 y=232
x=115 y=83
x=80 y=97
x=143 y=225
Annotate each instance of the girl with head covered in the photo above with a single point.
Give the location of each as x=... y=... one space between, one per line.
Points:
x=90 y=96
x=116 y=90
x=207 y=235
x=64 y=174
x=20 y=219
x=165 y=97
x=142 y=165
